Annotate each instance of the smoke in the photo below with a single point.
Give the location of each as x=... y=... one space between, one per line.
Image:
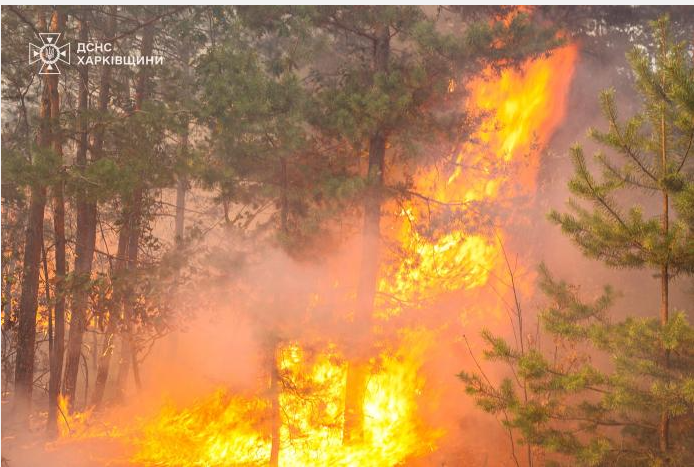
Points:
x=233 y=317
x=597 y=71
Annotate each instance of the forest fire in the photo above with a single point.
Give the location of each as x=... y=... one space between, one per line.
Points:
x=298 y=236
x=229 y=430
x=522 y=109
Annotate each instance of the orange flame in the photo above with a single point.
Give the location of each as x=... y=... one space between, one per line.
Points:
x=230 y=430
x=521 y=110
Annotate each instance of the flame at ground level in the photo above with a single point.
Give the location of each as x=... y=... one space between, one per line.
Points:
x=307 y=416
x=230 y=430
x=224 y=429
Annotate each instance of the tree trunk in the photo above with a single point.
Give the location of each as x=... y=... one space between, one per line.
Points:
x=9 y=273
x=113 y=319
x=182 y=181
x=664 y=428
x=181 y=188
x=58 y=347
x=104 y=359
x=276 y=422
x=129 y=356
x=284 y=198
x=86 y=219
x=33 y=241
x=358 y=370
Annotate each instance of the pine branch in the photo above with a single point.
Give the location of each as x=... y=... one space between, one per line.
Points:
x=612 y=117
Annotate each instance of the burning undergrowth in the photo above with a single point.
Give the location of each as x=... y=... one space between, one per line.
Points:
x=291 y=413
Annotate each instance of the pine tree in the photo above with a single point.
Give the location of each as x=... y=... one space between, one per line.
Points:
x=24 y=372
x=638 y=410
x=655 y=145
x=388 y=101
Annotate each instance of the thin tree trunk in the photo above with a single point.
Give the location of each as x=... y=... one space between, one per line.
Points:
x=33 y=240
x=47 y=287
x=357 y=371
x=275 y=405
x=123 y=368
x=274 y=341
x=284 y=198
x=128 y=302
x=181 y=188
x=58 y=347
x=85 y=238
x=664 y=428
x=179 y=230
x=130 y=349
x=103 y=363
x=104 y=359
x=113 y=319
x=47 y=290
x=9 y=272
x=182 y=181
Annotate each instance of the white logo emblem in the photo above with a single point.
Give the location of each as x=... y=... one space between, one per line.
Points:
x=49 y=54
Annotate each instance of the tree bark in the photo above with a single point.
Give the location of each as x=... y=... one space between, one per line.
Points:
x=129 y=356
x=57 y=349
x=182 y=179
x=181 y=188
x=86 y=208
x=276 y=422
x=114 y=319
x=664 y=428
x=104 y=359
x=366 y=292
x=33 y=241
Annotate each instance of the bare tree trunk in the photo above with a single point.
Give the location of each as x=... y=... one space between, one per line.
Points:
x=128 y=302
x=8 y=275
x=86 y=229
x=284 y=198
x=33 y=241
x=103 y=364
x=130 y=354
x=182 y=181
x=275 y=405
x=357 y=371
x=274 y=341
x=104 y=359
x=113 y=320
x=57 y=349
x=181 y=188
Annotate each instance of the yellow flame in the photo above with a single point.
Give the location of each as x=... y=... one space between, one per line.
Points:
x=224 y=430
x=218 y=430
x=522 y=110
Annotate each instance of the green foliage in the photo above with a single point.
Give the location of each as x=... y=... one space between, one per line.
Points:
x=582 y=413
x=652 y=155
x=598 y=397
x=411 y=101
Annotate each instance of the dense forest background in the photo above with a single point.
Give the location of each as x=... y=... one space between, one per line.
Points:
x=252 y=182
